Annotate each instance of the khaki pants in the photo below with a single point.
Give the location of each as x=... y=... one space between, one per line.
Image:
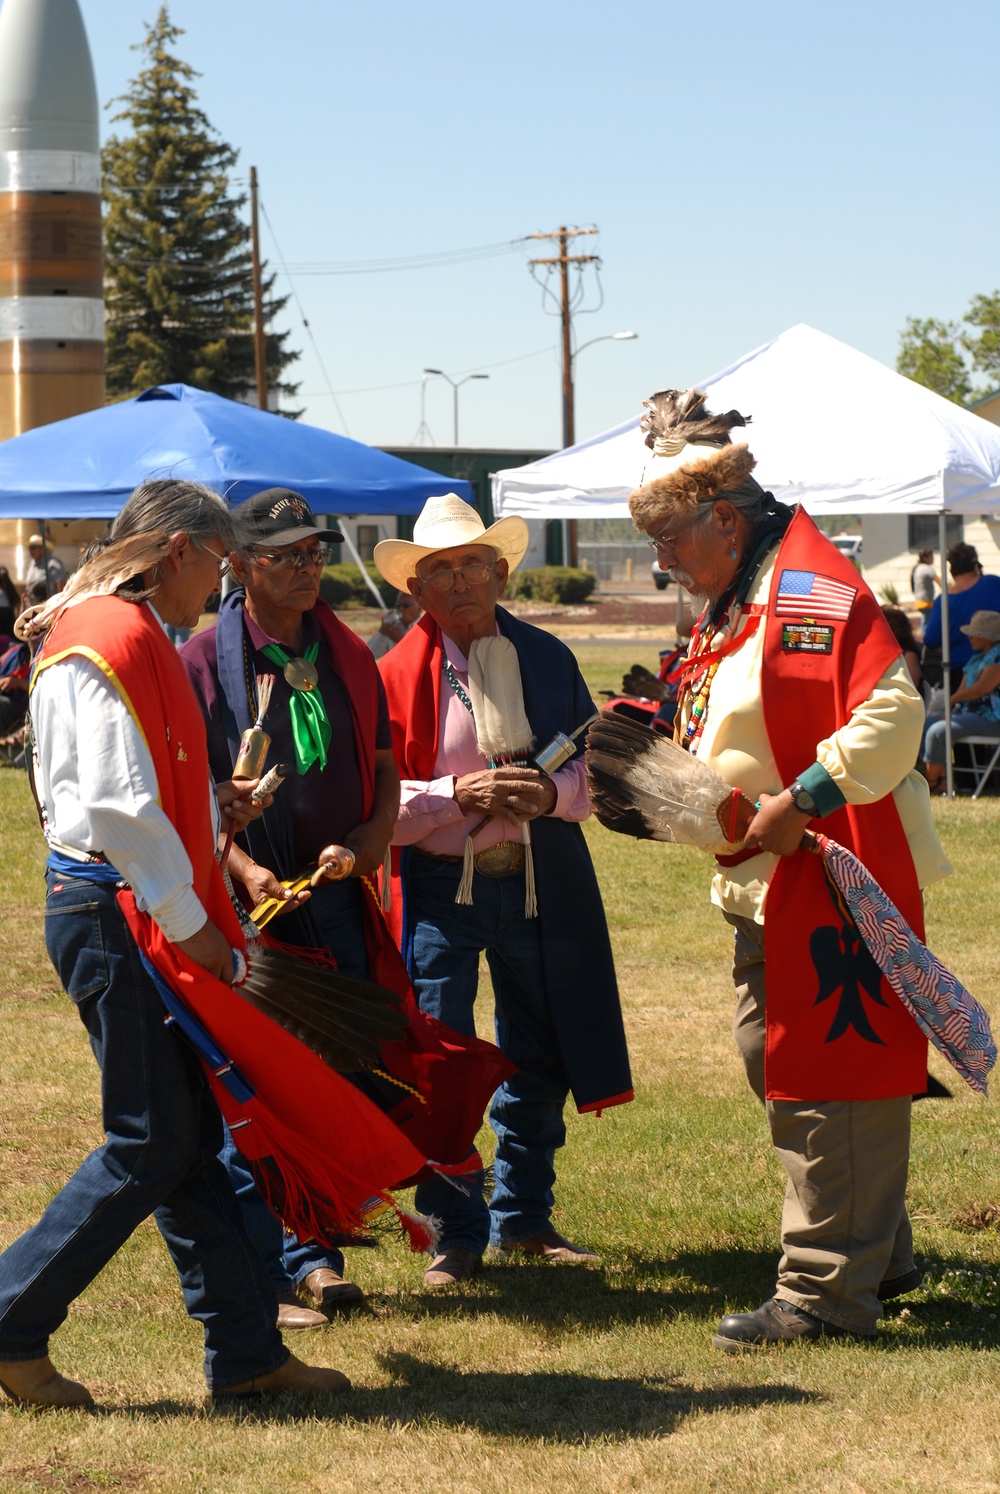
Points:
x=844 y=1226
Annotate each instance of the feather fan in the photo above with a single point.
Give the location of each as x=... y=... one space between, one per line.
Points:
x=342 y=1019
x=644 y=785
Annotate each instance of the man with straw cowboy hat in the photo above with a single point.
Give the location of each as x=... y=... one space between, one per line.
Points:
x=488 y=856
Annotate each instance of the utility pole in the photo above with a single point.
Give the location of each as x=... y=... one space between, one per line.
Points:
x=259 y=338
x=564 y=259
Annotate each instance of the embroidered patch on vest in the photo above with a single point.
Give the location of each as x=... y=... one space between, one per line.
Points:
x=806 y=638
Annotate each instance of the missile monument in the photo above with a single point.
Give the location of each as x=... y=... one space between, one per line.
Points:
x=51 y=293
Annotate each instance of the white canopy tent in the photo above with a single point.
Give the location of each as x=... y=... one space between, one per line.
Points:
x=831 y=428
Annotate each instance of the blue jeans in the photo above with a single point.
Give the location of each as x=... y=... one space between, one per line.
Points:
x=527 y=1111
x=336 y=909
x=963 y=724
x=160 y=1157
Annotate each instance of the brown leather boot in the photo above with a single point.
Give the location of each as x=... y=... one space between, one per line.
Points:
x=294 y=1377
x=552 y=1247
x=327 y=1290
x=293 y=1315
x=37 y=1382
x=450 y=1266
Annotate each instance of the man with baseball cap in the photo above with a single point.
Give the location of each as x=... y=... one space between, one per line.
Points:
x=490 y=857
x=45 y=567
x=328 y=720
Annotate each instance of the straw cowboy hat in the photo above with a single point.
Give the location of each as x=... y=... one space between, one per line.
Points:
x=444 y=523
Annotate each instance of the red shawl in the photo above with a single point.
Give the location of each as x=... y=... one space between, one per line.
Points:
x=847 y=1044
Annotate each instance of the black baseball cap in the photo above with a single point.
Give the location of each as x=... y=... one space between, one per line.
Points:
x=279 y=516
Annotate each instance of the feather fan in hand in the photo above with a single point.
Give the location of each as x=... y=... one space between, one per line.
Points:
x=342 y=1019
x=644 y=785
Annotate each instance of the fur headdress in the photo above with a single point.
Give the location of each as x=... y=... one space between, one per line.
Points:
x=694 y=459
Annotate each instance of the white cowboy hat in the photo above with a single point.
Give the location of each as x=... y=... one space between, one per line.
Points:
x=444 y=523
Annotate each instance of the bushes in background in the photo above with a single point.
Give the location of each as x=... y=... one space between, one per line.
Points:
x=342 y=586
x=551 y=583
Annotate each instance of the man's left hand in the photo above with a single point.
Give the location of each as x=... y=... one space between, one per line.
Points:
x=777 y=826
x=234 y=802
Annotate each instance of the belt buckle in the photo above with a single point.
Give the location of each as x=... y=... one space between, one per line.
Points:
x=504 y=859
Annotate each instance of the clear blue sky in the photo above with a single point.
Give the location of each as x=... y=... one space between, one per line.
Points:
x=749 y=166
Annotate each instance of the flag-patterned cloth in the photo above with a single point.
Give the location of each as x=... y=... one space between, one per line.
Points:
x=808 y=594
x=937 y=1001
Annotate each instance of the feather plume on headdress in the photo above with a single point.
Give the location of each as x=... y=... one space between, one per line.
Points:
x=503 y=736
x=101 y=576
x=694 y=459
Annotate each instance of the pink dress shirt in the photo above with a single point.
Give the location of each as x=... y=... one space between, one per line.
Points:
x=429 y=816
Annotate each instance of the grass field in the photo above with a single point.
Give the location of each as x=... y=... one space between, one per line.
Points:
x=531 y=1377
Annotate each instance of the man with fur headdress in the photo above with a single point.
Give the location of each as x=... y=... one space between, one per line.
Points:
x=796 y=693
x=489 y=856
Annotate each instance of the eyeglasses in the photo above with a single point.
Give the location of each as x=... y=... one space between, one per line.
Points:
x=669 y=541
x=473 y=574
x=294 y=560
x=222 y=561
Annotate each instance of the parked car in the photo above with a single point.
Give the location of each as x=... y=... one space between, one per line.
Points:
x=661 y=579
x=849 y=545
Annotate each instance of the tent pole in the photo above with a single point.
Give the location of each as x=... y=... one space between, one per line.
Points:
x=353 y=551
x=946 y=653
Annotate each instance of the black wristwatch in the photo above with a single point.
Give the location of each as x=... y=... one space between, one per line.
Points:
x=803 y=800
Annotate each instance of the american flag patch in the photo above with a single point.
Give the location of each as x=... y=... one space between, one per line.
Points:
x=807 y=594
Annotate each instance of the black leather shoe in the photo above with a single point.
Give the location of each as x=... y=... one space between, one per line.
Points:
x=898 y=1286
x=775 y=1322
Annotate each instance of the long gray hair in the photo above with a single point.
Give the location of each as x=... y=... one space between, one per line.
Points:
x=138 y=543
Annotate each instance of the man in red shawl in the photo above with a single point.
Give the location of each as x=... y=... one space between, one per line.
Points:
x=123 y=784
x=469 y=878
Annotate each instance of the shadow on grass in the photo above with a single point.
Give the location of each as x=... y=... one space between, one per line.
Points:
x=697 y=1285
x=549 y=1406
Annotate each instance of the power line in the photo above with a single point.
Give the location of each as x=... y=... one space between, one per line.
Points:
x=305 y=320
x=412 y=383
x=430 y=261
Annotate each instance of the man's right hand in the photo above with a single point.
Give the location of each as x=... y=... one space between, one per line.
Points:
x=513 y=793
x=261 y=883
x=210 y=949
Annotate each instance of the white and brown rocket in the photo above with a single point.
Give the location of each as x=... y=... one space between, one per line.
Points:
x=51 y=294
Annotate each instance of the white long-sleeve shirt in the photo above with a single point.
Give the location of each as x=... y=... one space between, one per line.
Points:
x=97 y=785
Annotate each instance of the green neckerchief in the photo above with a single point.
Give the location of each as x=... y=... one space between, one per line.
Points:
x=310 y=723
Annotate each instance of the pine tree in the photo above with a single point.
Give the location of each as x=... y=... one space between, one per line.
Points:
x=178 y=286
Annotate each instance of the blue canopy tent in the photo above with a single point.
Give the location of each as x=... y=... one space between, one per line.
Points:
x=85 y=467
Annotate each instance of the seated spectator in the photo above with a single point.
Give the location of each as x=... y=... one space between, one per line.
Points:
x=9 y=608
x=969 y=592
x=395 y=624
x=975 y=704
x=15 y=665
x=902 y=631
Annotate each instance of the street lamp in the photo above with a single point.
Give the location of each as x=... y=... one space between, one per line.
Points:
x=455 y=386
x=569 y=420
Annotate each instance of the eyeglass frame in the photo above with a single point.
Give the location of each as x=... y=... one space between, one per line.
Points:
x=294 y=560
x=669 y=541
x=223 y=562
x=444 y=580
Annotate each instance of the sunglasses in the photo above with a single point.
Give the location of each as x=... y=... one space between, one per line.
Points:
x=294 y=560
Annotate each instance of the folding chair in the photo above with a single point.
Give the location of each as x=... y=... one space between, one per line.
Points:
x=980 y=772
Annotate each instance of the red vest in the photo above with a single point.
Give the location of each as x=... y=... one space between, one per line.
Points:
x=815 y=1051
x=128 y=645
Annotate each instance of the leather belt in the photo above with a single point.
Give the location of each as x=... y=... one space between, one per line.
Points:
x=505 y=859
